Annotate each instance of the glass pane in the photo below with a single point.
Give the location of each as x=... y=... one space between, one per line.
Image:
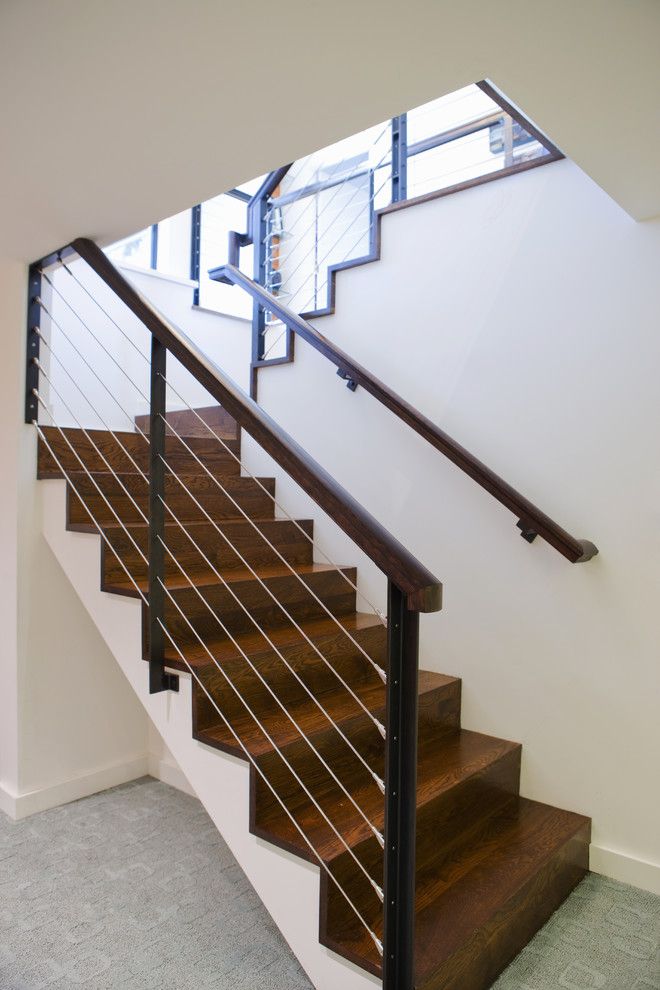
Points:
x=133 y=250
x=220 y=215
x=460 y=137
x=173 y=255
x=463 y=106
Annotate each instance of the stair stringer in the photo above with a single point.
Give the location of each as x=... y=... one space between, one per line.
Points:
x=288 y=886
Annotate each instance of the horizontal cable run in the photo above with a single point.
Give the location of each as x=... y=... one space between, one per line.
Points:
x=176 y=605
x=194 y=674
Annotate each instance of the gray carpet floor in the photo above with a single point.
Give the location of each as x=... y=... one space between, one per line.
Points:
x=134 y=889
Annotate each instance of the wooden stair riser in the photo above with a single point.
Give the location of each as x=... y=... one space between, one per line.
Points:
x=132 y=508
x=505 y=899
x=249 y=543
x=213 y=456
x=319 y=677
x=187 y=423
x=255 y=606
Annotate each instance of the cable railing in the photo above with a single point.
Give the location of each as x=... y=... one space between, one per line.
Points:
x=102 y=531
x=383 y=699
x=310 y=216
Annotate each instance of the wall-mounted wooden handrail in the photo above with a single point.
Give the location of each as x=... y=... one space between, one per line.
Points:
x=422 y=589
x=531 y=520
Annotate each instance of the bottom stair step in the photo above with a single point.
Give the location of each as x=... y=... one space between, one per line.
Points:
x=480 y=902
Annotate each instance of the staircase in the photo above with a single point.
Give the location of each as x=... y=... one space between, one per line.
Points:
x=269 y=686
x=433 y=871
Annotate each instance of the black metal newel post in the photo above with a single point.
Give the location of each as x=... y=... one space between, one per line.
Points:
x=399 y=158
x=159 y=679
x=33 y=325
x=400 y=794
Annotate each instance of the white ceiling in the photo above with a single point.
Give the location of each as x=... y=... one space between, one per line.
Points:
x=118 y=114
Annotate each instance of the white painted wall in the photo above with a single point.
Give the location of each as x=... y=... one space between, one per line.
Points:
x=97 y=354
x=522 y=317
x=69 y=722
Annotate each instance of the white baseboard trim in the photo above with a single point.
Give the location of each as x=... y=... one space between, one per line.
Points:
x=169 y=774
x=22 y=805
x=627 y=869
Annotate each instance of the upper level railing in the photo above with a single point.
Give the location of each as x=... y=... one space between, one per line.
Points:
x=302 y=223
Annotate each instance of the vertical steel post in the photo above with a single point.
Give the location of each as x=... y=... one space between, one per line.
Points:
x=399 y=158
x=258 y=227
x=195 y=249
x=33 y=325
x=153 y=260
x=159 y=679
x=400 y=794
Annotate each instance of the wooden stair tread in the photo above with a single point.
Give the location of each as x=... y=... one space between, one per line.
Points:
x=213 y=454
x=338 y=704
x=445 y=762
x=187 y=423
x=236 y=576
x=233 y=499
x=253 y=642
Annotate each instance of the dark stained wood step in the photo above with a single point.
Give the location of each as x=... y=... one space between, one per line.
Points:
x=244 y=492
x=315 y=655
x=264 y=600
x=210 y=451
x=457 y=770
x=187 y=423
x=480 y=900
x=248 y=539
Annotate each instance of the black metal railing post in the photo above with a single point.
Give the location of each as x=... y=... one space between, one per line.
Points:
x=400 y=794
x=258 y=226
x=195 y=249
x=399 y=158
x=159 y=679
x=33 y=326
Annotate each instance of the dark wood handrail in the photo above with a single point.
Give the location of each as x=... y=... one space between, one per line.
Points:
x=422 y=589
x=531 y=520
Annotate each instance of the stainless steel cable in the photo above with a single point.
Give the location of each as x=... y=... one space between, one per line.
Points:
x=94 y=337
x=272 y=742
x=193 y=673
x=174 y=602
x=273 y=498
x=217 y=482
x=253 y=762
x=318 y=265
x=340 y=187
x=226 y=446
x=375 y=168
x=265 y=587
x=225 y=583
